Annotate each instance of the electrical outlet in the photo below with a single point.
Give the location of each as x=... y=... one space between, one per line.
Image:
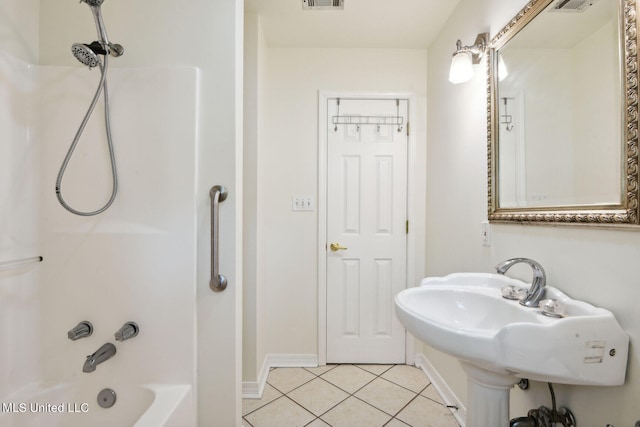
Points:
x=486 y=234
x=302 y=203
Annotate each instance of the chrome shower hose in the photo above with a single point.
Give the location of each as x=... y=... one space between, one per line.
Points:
x=101 y=87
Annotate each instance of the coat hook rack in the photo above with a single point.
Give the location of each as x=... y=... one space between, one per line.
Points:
x=378 y=121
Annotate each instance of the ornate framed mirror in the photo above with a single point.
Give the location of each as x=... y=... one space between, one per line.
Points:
x=562 y=115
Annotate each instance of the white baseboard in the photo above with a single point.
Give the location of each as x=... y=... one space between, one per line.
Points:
x=292 y=360
x=449 y=398
x=254 y=389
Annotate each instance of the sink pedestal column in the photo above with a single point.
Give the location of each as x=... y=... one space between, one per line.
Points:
x=488 y=397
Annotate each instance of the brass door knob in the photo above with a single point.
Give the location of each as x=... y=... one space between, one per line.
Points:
x=337 y=247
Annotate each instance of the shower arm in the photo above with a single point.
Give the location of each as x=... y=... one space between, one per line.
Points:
x=100 y=27
x=113 y=49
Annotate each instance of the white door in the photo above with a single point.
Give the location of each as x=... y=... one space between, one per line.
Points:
x=366 y=224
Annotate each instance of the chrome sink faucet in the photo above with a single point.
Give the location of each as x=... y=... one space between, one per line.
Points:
x=102 y=354
x=537 y=290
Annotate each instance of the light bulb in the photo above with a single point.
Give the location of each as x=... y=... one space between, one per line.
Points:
x=461 y=68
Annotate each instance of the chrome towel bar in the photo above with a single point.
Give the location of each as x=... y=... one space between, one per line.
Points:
x=218 y=282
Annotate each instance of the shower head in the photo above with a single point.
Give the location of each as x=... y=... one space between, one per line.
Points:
x=85 y=54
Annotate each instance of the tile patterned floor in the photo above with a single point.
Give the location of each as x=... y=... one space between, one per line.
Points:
x=348 y=396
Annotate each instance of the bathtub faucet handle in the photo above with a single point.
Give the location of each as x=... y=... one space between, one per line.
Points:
x=81 y=330
x=128 y=330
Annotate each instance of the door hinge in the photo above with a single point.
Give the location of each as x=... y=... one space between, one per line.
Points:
x=407 y=226
x=408 y=126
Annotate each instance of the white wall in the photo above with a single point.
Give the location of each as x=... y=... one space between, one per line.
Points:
x=288 y=166
x=596 y=265
x=253 y=311
x=19 y=29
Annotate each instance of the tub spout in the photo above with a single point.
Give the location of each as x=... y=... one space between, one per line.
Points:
x=105 y=352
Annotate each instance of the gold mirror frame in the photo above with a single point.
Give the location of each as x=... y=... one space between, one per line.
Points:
x=625 y=214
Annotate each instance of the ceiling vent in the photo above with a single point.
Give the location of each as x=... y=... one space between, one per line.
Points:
x=572 y=5
x=323 y=4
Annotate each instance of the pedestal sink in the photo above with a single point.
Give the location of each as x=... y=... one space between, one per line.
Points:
x=499 y=341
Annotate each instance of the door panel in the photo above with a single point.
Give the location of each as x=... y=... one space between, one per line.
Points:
x=367 y=211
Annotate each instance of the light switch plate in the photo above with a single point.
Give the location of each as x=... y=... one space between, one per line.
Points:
x=302 y=203
x=486 y=234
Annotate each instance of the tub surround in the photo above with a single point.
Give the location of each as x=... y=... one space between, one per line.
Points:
x=134 y=261
x=19 y=303
x=42 y=32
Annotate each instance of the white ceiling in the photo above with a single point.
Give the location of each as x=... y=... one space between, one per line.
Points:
x=362 y=24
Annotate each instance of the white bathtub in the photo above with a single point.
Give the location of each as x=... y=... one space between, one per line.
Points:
x=76 y=405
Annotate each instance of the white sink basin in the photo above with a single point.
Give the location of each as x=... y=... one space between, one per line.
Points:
x=465 y=316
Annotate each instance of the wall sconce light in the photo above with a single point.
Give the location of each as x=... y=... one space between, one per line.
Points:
x=465 y=56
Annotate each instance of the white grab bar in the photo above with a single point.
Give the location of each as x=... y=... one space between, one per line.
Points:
x=218 y=282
